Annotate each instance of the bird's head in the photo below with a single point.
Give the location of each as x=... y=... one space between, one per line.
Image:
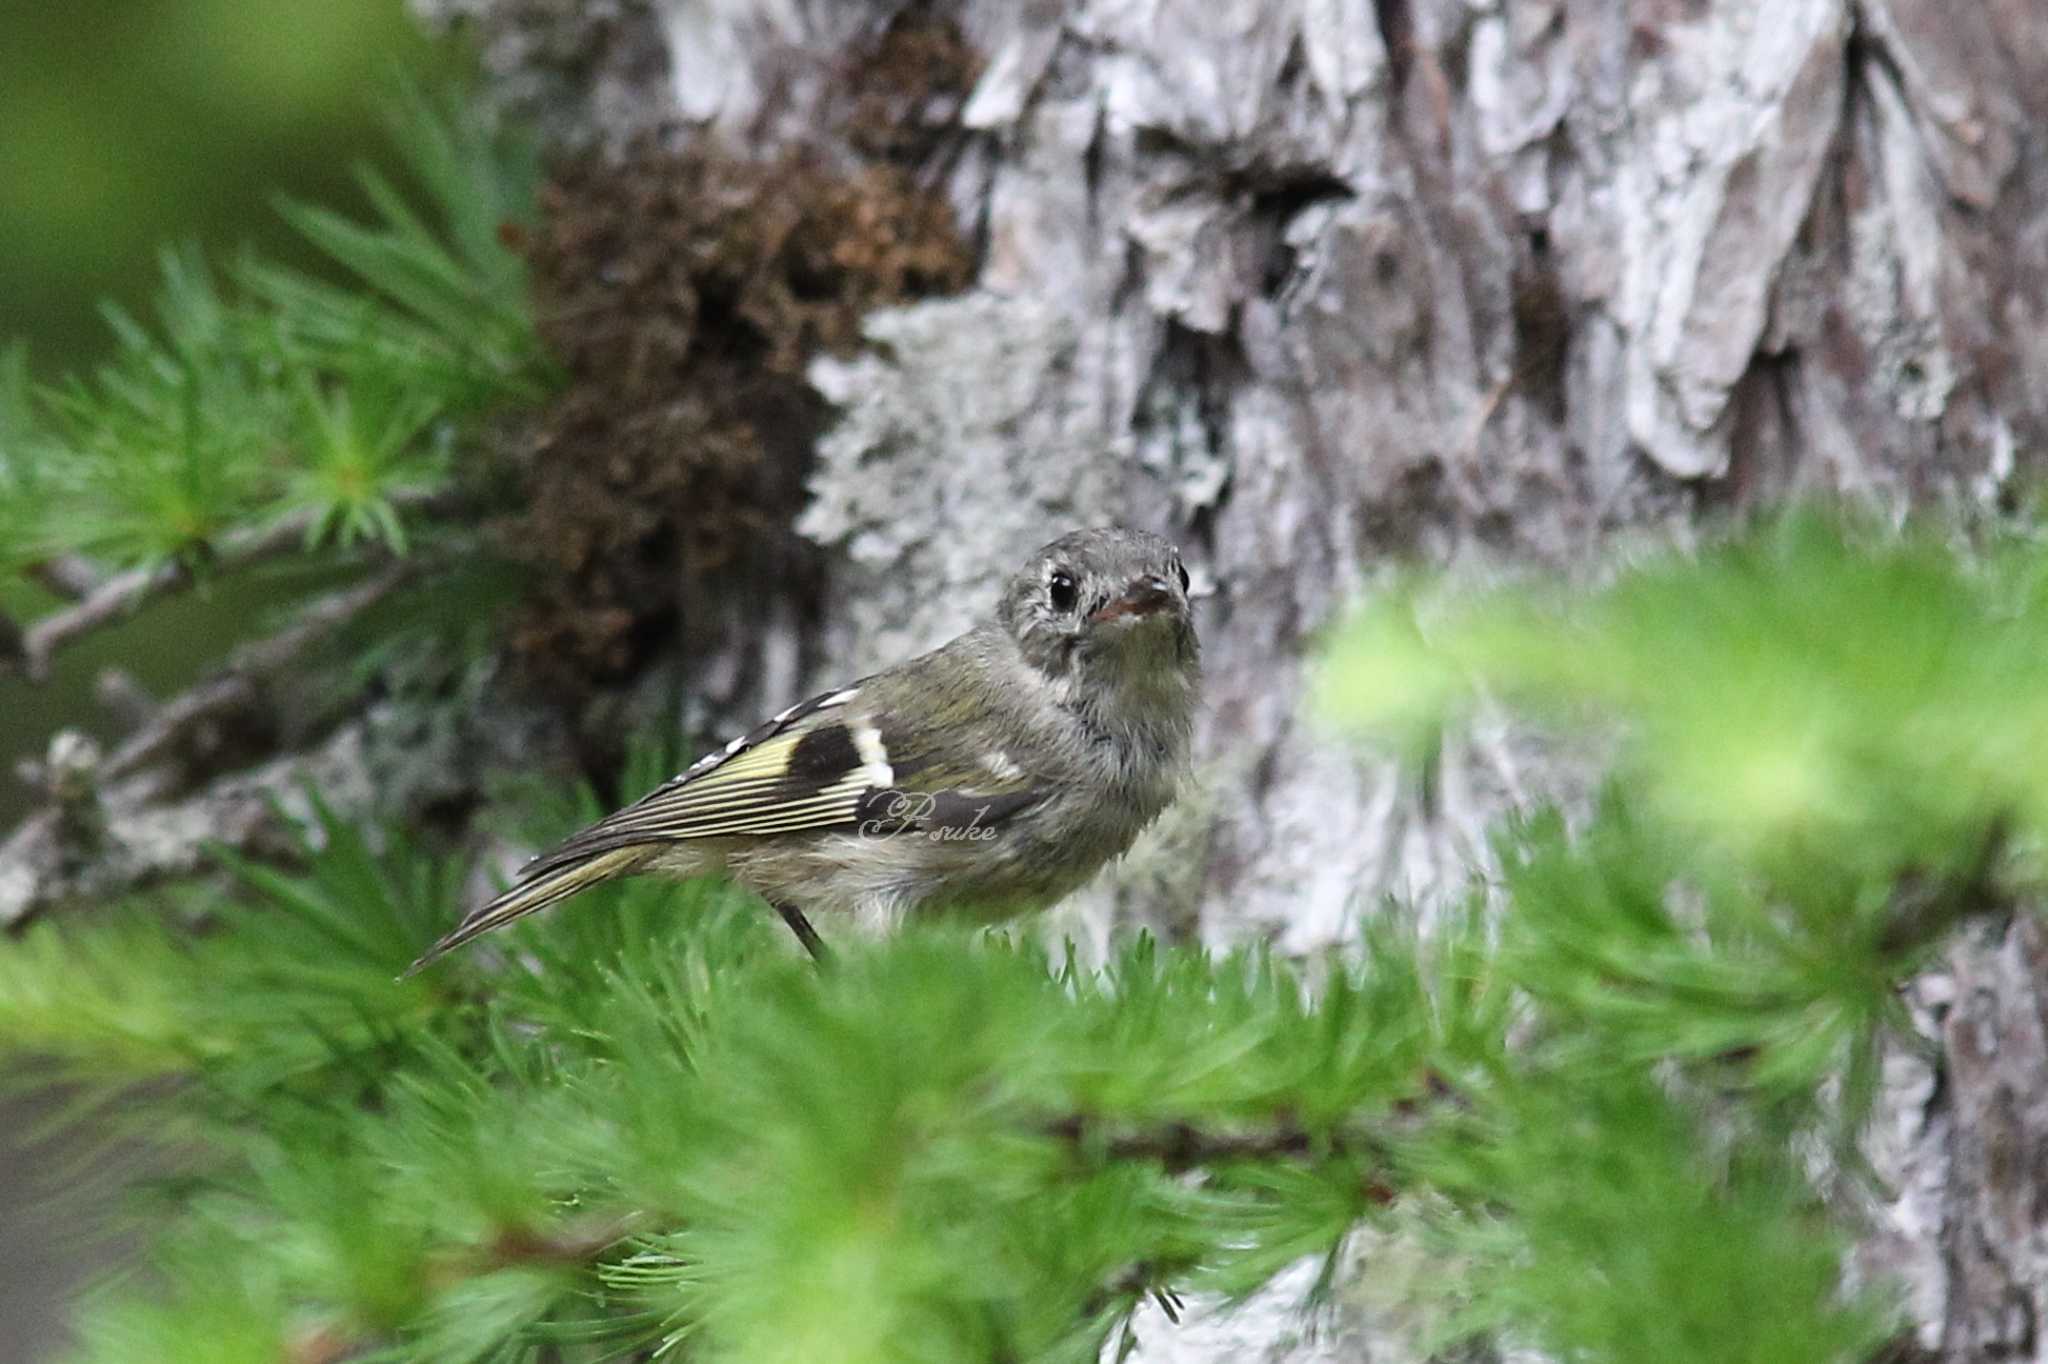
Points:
x=1106 y=608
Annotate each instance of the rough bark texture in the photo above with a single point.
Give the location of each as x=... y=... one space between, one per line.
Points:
x=1312 y=285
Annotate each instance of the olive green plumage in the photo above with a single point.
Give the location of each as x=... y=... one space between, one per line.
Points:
x=996 y=772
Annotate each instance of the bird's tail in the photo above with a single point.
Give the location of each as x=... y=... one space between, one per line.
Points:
x=548 y=883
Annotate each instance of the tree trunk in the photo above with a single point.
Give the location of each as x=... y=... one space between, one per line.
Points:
x=1316 y=285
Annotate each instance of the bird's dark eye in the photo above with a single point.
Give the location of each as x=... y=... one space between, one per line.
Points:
x=1181 y=571
x=1061 y=590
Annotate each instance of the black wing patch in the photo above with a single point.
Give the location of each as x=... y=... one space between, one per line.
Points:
x=822 y=755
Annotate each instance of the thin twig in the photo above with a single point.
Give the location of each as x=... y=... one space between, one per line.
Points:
x=118 y=597
x=237 y=686
x=580 y=1243
x=39 y=866
x=70 y=576
x=1181 y=1146
x=571 y=1247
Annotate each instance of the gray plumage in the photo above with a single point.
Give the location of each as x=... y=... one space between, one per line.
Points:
x=994 y=774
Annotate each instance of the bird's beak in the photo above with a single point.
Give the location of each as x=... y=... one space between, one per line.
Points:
x=1144 y=596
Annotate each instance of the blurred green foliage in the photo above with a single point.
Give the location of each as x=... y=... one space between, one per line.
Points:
x=1605 y=1109
x=217 y=397
x=230 y=407
x=127 y=123
x=646 y=1121
x=1819 y=695
x=340 y=394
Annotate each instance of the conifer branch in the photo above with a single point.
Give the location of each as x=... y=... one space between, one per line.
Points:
x=41 y=859
x=576 y=1246
x=957 y=1145
x=238 y=686
x=573 y=1246
x=1182 y=1146
x=70 y=576
x=117 y=598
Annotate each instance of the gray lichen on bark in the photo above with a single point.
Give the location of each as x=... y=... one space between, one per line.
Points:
x=582 y=73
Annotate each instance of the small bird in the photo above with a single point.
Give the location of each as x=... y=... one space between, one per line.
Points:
x=995 y=773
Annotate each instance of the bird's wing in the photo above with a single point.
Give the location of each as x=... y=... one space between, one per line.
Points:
x=844 y=759
x=832 y=762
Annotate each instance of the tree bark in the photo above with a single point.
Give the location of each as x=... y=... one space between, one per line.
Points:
x=1313 y=286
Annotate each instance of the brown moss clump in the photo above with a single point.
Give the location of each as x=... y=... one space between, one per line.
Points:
x=684 y=294
x=905 y=95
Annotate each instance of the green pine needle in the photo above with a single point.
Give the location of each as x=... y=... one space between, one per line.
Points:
x=289 y=393
x=1578 y=1115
